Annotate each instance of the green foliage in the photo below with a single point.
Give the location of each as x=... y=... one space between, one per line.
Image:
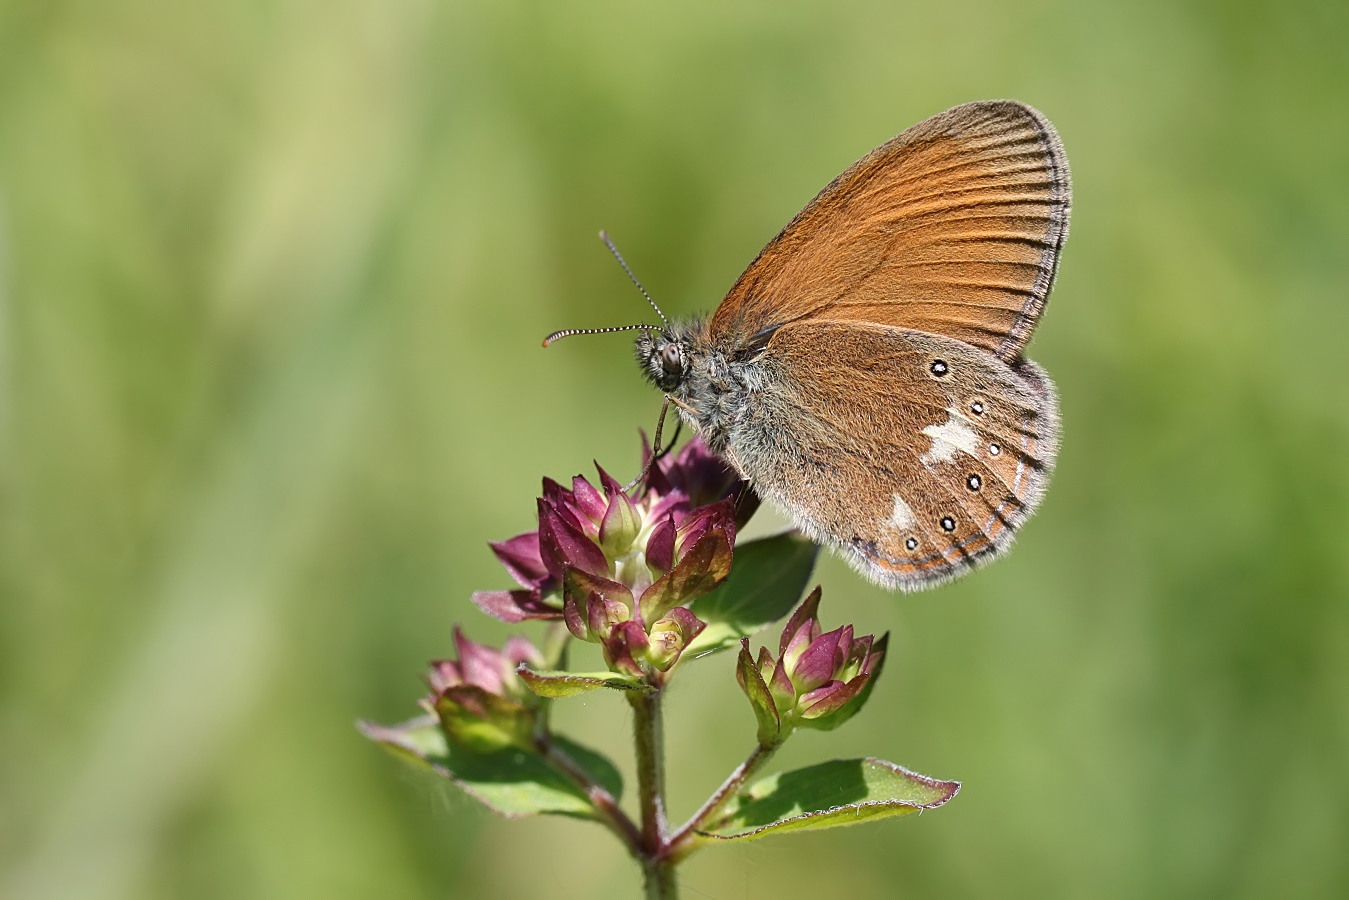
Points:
x=568 y=684
x=834 y=793
x=510 y=782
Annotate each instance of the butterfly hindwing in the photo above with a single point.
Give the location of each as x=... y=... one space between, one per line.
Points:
x=915 y=455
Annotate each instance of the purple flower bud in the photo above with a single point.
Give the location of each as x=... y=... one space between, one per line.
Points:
x=802 y=628
x=660 y=546
x=625 y=645
x=563 y=542
x=699 y=475
x=779 y=682
x=831 y=697
x=516 y=606
x=480 y=700
x=819 y=660
x=520 y=556
x=818 y=680
x=587 y=500
x=622 y=520
x=593 y=605
x=597 y=549
x=698 y=572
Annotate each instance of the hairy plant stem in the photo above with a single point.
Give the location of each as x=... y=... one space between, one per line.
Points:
x=649 y=740
x=606 y=806
x=685 y=840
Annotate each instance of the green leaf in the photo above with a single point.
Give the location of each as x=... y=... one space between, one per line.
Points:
x=839 y=792
x=767 y=579
x=569 y=684
x=513 y=783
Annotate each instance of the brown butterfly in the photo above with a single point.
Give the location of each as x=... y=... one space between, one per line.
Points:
x=865 y=373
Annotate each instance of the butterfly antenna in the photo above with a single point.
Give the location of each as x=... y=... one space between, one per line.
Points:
x=568 y=332
x=622 y=262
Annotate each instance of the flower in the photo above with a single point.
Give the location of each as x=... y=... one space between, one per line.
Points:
x=818 y=680
x=615 y=566
x=702 y=477
x=520 y=555
x=479 y=699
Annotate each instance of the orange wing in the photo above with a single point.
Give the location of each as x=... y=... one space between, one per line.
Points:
x=953 y=228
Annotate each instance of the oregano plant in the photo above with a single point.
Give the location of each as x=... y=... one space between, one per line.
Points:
x=654 y=576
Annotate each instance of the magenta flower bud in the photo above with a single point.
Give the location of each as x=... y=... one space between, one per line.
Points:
x=621 y=521
x=802 y=628
x=819 y=680
x=588 y=501
x=523 y=560
x=520 y=556
x=819 y=660
x=479 y=699
x=624 y=646
x=602 y=557
x=563 y=541
x=592 y=606
x=702 y=561
x=699 y=475
x=660 y=546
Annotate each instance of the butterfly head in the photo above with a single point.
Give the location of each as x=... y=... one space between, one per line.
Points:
x=664 y=356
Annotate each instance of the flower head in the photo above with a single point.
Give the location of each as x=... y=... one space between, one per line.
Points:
x=818 y=679
x=479 y=699
x=701 y=477
x=615 y=566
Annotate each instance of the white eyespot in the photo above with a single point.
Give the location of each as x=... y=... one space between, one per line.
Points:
x=974 y=482
x=948 y=523
x=994 y=449
x=977 y=407
x=939 y=367
x=911 y=544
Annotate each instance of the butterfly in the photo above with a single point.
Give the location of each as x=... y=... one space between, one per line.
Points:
x=865 y=374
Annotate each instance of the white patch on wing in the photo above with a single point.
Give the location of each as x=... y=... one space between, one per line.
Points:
x=954 y=435
x=902 y=518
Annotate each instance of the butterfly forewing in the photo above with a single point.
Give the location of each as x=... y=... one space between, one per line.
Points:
x=916 y=455
x=953 y=228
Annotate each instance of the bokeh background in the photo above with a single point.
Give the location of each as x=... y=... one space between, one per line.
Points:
x=273 y=276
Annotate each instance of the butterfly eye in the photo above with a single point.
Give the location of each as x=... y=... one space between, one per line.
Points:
x=671 y=359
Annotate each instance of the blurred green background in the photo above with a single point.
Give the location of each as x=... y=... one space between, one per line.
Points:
x=273 y=276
